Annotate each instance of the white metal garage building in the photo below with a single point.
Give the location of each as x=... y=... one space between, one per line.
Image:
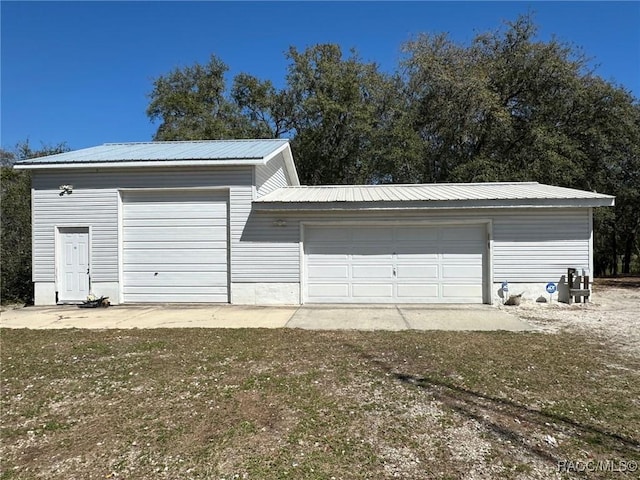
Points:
x=226 y=221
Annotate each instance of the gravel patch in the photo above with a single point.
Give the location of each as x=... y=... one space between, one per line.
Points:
x=613 y=316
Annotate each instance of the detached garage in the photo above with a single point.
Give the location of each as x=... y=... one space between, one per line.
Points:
x=227 y=221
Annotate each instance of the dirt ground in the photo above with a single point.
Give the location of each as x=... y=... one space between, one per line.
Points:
x=290 y=403
x=613 y=314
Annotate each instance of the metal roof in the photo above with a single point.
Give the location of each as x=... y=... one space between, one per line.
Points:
x=239 y=151
x=437 y=195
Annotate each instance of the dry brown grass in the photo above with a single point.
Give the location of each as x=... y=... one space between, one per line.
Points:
x=264 y=404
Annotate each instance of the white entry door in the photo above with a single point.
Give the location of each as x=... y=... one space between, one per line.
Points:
x=73 y=264
x=394 y=264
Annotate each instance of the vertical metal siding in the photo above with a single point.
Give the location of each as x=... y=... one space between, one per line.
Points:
x=94 y=202
x=271 y=176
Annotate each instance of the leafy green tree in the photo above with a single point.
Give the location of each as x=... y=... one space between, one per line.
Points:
x=340 y=108
x=267 y=110
x=192 y=104
x=613 y=139
x=397 y=153
x=15 y=213
x=506 y=107
x=510 y=108
x=497 y=109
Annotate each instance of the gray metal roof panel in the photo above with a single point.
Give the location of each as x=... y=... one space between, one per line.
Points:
x=428 y=193
x=241 y=150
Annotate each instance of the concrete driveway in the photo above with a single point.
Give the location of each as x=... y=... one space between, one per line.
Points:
x=405 y=317
x=312 y=317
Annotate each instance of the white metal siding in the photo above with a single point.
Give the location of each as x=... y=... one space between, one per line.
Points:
x=240 y=199
x=94 y=202
x=390 y=264
x=539 y=246
x=93 y=207
x=267 y=252
x=529 y=245
x=271 y=176
x=175 y=246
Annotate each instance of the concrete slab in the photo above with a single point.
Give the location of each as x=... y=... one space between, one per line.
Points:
x=463 y=317
x=405 y=317
x=350 y=317
x=156 y=316
x=314 y=317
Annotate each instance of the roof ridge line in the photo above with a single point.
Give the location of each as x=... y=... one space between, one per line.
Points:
x=384 y=185
x=228 y=140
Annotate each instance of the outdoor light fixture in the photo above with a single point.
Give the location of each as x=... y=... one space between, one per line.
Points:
x=280 y=223
x=68 y=189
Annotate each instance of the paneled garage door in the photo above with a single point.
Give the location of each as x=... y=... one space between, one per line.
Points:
x=174 y=247
x=394 y=264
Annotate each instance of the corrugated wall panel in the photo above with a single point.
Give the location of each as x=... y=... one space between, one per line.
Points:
x=271 y=176
x=94 y=202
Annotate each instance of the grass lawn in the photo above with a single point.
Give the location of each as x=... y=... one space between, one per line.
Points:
x=267 y=404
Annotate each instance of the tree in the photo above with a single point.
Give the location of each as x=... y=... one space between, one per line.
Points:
x=499 y=109
x=267 y=110
x=339 y=110
x=506 y=107
x=510 y=108
x=346 y=120
x=15 y=202
x=612 y=138
x=191 y=104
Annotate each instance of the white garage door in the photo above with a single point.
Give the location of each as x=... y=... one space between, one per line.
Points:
x=401 y=264
x=174 y=247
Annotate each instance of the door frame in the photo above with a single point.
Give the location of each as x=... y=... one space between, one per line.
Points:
x=487 y=254
x=58 y=255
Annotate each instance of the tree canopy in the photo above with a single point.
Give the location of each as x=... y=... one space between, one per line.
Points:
x=505 y=107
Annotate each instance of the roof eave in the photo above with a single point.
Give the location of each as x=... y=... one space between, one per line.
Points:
x=139 y=163
x=434 y=205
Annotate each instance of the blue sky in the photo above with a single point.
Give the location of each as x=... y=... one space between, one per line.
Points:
x=80 y=72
